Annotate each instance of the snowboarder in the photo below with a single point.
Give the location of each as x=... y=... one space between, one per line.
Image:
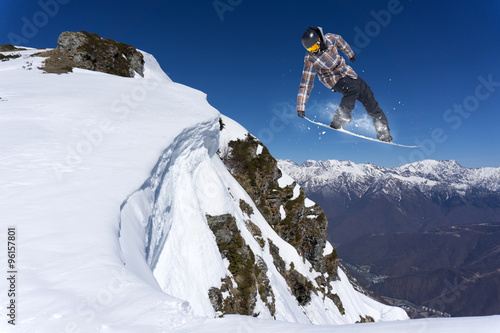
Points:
x=323 y=58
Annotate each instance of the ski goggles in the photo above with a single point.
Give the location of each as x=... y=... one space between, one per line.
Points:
x=314 y=48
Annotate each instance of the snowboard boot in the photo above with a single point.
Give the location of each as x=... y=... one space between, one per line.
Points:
x=382 y=128
x=340 y=118
x=386 y=137
x=383 y=134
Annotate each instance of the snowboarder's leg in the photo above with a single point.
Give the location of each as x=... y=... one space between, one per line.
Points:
x=350 y=89
x=374 y=111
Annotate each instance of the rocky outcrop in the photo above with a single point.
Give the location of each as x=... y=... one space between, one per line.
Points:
x=10 y=48
x=248 y=272
x=89 y=51
x=304 y=226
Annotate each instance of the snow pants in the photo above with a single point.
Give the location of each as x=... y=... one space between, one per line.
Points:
x=357 y=89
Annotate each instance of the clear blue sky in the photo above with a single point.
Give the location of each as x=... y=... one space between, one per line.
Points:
x=428 y=63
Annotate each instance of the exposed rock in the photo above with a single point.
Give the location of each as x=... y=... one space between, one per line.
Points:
x=265 y=290
x=10 y=47
x=246 y=208
x=247 y=271
x=8 y=57
x=216 y=299
x=303 y=227
x=300 y=286
x=366 y=319
x=338 y=302
x=70 y=41
x=89 y=51
x=277 y=260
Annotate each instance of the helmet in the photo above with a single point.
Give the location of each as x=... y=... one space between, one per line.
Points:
x=310 y=37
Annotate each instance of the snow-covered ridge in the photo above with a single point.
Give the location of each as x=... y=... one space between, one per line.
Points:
x=167 y=216
x=74 y=147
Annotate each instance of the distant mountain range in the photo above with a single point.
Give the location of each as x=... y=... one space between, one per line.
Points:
x=426 y=232
x=365 y=199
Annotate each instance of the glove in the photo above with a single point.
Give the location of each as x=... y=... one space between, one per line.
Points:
x=301 y=114
x=353 y=58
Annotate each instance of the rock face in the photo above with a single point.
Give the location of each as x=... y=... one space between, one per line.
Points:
x=284 y=207
x=89 y=51
x=70 y=41
x=303 y=227
x=249 y=271
x=10 y=48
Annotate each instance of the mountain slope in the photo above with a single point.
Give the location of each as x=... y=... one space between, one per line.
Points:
x=117 y=201
x=450 y=269
x=323 y=281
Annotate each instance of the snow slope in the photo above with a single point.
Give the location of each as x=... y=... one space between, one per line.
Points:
x=239 y=324
x=73 y=148
x=107 y=181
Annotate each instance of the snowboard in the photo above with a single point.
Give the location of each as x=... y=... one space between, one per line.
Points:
x=358 y=135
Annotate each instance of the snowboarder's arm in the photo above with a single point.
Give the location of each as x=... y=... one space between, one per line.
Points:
x=306 y=85
x=344 y=47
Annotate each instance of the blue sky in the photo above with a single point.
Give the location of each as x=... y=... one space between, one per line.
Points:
x=433 y=66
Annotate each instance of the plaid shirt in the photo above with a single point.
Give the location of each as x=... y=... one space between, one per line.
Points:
x=329 y=66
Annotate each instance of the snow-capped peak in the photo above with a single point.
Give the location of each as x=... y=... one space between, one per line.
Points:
x=427 y=173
